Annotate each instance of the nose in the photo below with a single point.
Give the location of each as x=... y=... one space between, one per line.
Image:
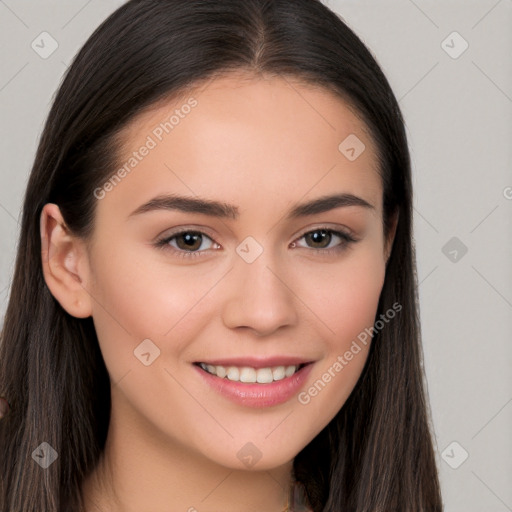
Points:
x=260 y=296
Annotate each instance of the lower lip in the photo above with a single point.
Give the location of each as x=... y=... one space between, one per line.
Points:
x=258 y=395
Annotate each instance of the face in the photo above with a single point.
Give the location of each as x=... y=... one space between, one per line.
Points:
x=249 y=284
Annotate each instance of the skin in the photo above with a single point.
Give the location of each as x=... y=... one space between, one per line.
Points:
x=263 y=144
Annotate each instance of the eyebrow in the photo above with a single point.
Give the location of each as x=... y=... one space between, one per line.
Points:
x=221 y=210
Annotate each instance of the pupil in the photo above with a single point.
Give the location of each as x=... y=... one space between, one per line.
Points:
x=190 y=240
x=323 y=235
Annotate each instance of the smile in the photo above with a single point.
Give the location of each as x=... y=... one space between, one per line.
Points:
x=251 y=375
x=248 y=386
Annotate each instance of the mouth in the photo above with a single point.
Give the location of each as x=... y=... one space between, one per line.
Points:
x=250 y=374
x=252 y=382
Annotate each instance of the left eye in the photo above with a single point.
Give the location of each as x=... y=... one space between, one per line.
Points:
x=320 y=236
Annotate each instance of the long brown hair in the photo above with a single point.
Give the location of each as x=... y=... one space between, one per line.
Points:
x=377 y=453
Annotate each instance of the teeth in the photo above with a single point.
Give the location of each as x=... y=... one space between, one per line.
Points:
x=247 y=375
x=232 y=374
x=221 y=371
x=264 y=375
x=279 y=373
x=251 y=375
x=290 y=370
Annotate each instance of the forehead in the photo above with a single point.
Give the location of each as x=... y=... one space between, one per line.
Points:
x=236 y=135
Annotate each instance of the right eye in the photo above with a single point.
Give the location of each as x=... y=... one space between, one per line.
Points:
x=187 y=243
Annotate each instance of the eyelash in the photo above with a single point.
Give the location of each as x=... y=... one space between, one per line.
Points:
x=347 y=240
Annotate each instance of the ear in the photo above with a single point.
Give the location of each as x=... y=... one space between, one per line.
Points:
x=391 y=237
x=65 y=263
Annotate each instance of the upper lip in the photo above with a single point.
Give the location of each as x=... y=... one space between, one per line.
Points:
x=258 y=362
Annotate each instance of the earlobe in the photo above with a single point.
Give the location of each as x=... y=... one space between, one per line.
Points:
x=64 y=261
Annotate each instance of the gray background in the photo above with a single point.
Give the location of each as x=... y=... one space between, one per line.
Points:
x=458 y=112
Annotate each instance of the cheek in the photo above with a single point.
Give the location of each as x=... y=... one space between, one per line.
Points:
x=136 y=298
x=140 y=294
x=135 y=303
x=345 y=296
x=347 y=305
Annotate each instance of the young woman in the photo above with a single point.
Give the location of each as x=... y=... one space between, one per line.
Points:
x=214 y=302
